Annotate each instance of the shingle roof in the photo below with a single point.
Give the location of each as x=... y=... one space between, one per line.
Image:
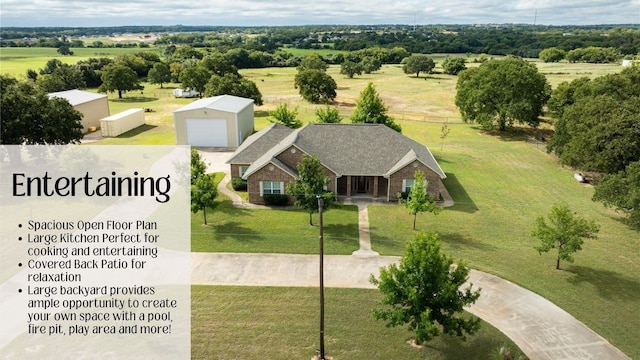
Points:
x=228 y=103
x=354 y=149
x=77 y=97
x=258 y=144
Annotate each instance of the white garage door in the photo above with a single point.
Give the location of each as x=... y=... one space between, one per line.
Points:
x=207 y=132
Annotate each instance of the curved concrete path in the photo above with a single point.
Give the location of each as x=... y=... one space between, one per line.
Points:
x=542 y=330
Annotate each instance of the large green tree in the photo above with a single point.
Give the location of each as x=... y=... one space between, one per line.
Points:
x=453 y=65
x=159 y=74
x=316 y=86
x=195 y=78
x=622 y=191
x=599 y=134
x=232 y=84
x=351 y=68
x=419 y=200
x=552 y=54
x=371 y=109
x=64 y=77
x=502 y=92
x=29 y=116
x=424 y=291
x=203 y=194
x=415 y=64
x=309 y=185
x=565 y=232
x=119 y=77
x=313 y=62
x=596 y=121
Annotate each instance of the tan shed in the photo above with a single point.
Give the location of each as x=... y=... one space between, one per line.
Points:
x=93 y=107
x=221 y=121
x=122 y=122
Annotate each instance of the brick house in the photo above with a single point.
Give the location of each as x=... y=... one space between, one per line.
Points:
x=360 y=160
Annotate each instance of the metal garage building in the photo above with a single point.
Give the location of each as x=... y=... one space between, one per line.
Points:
x=221 y=121
x=93 y=107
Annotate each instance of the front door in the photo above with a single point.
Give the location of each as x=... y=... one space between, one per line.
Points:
x=361 y=184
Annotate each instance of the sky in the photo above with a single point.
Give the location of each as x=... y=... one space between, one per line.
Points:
x=90 y=13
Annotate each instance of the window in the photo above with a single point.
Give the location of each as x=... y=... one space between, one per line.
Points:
x=407 y=184
x=243 y=169
x=271 y=187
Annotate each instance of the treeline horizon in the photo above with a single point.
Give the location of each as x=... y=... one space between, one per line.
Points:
x=493 y=39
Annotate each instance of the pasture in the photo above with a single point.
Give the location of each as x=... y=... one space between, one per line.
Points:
x=500 y=182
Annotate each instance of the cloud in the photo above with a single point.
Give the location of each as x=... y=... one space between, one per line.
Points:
x=293 y=12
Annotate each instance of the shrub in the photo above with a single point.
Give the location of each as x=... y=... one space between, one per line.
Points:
x=404 y=195
x=239 y=184
x=275 y=199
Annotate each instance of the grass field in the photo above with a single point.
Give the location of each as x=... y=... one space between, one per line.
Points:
x=282 y=323
x=16 y=61
x=500 y=182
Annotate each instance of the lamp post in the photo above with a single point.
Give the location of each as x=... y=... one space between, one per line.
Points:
x=321 y=238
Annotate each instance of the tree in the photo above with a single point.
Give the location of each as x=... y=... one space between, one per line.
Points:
x=596 y=121
x=196 y=78
x=350 y=68
x=566 y=232
x=316 y=86
x=287 y=117
x=453 y=65
x=203 y=194
x=309 y=185
x=502 y=92
x=65 y=77
x=50 y=66
x=119 y=77
x=232 y=84
x=598 y=134
x=198 y=166
x=552 y=54
x=159 y=74
x=328 y=115
x=64 y=50
x=424 y=292
x=371 y=109
x=418 y=199
x=622 y=191
x=313 y=62
x=415 y=64
x=219 y=65
x=370 y=64
x=29 y=117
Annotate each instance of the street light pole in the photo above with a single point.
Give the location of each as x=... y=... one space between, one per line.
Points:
x=321 y=238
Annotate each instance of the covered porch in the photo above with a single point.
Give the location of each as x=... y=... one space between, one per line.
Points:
x=371 y=187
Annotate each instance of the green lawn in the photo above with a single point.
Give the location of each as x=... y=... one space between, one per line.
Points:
x=282 y=323
x=16 y=61
x=231 y=229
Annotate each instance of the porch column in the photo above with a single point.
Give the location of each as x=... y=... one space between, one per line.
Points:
x=348 y=185
x=375 y=186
